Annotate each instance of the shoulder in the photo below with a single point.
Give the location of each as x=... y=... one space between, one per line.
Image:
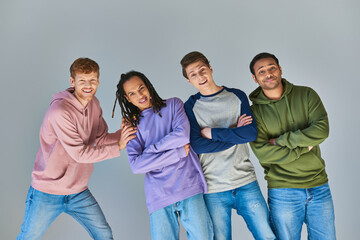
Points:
x=305 y=90
x=239 y=93
x=191 y=100
x=174 y=100
x=174 y=104
x=60 y=111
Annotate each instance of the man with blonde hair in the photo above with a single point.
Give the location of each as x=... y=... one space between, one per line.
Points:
x=73 y=136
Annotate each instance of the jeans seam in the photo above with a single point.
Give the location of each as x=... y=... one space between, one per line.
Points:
x=28 y=203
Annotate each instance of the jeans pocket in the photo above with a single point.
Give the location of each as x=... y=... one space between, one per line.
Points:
x=30 y=195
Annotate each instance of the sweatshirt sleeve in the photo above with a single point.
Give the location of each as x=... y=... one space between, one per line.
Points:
x=143 y=162
x=270 y=154
x=103 y=137
x=241 y=134
x=317 y=130
x=181 y=130
x=199 y=143
x=67 y=134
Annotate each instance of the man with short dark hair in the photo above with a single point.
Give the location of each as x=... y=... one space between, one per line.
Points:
x=292 y=122
x=221 y=126
x=73 y=136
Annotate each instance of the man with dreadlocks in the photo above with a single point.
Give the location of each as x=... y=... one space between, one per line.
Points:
x=221 y=125
x=73 y=136
x=174 y=182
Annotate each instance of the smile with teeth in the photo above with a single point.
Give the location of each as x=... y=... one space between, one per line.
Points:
x=142 y=101
x=203 y=82
x=87 y=90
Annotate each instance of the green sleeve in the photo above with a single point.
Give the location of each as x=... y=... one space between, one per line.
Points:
x=270 y=154
x=317 y=130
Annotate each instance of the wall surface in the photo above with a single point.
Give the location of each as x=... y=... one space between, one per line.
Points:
x=317 y=43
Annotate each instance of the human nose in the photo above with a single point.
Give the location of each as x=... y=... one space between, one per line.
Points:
x=140 y=95
x=268 y=74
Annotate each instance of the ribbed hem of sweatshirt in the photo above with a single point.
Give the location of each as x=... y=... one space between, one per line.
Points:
x=232 y=186
x=52 y=190
x=282 y=184
x=181 y=195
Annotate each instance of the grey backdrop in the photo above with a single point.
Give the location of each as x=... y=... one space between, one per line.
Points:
x=316 y=41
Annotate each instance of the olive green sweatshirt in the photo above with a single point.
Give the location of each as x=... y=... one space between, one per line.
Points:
x=297 y=120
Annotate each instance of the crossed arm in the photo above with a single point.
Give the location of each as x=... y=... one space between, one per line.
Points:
x=168 y=150
x=290 y=145
x=209 y=140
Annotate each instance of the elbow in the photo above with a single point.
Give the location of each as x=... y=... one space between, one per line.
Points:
x=196 y=149
x=134 y=167
x=327 y=132
x=135 y=170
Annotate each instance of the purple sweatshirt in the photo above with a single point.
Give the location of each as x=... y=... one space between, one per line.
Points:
x=158 y=151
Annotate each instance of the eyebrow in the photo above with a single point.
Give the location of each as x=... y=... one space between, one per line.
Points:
x=198 y=66
x=141 y=84
x=271 y=64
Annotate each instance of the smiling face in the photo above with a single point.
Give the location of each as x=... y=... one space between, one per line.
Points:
x=267 y=74
x=85 y=85
x=137 y=93
x=200 y=76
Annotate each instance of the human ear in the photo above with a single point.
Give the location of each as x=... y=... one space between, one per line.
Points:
x=255 y=80
x=72 y=82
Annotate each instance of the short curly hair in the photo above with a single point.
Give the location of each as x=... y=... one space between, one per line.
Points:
x=84 y=65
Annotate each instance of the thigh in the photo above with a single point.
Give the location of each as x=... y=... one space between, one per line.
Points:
x=287 y=211
x=220 y=206
x=41 y=210
x=320 y=217
x=84 y=208
x=195 y=218
x=164 y=224
x=251 y=205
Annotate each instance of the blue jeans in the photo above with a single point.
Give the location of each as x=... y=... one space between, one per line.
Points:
x=43 y=208
x=248 y=202
x=193 y=215
x=291 y=207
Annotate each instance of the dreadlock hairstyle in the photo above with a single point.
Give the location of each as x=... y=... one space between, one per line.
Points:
x=129 y=111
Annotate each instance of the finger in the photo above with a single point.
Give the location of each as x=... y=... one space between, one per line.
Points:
x=129 y=133
x=246 y=118
x=128 y=129
x=127 y=139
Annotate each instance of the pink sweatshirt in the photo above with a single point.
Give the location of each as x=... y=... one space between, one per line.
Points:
x=72 y=138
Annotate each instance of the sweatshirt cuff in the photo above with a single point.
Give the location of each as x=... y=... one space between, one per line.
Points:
x=114 y=150
x=214 y=134
x=181 y=152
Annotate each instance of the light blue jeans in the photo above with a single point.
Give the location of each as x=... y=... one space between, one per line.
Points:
x=248 y=203
x=193 y=215
x=291 y=207
x=43 y=208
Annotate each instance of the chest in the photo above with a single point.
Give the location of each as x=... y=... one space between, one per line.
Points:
x=218 y=111
x=285 y=115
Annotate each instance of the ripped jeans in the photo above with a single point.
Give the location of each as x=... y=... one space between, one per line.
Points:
x=248 y=203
